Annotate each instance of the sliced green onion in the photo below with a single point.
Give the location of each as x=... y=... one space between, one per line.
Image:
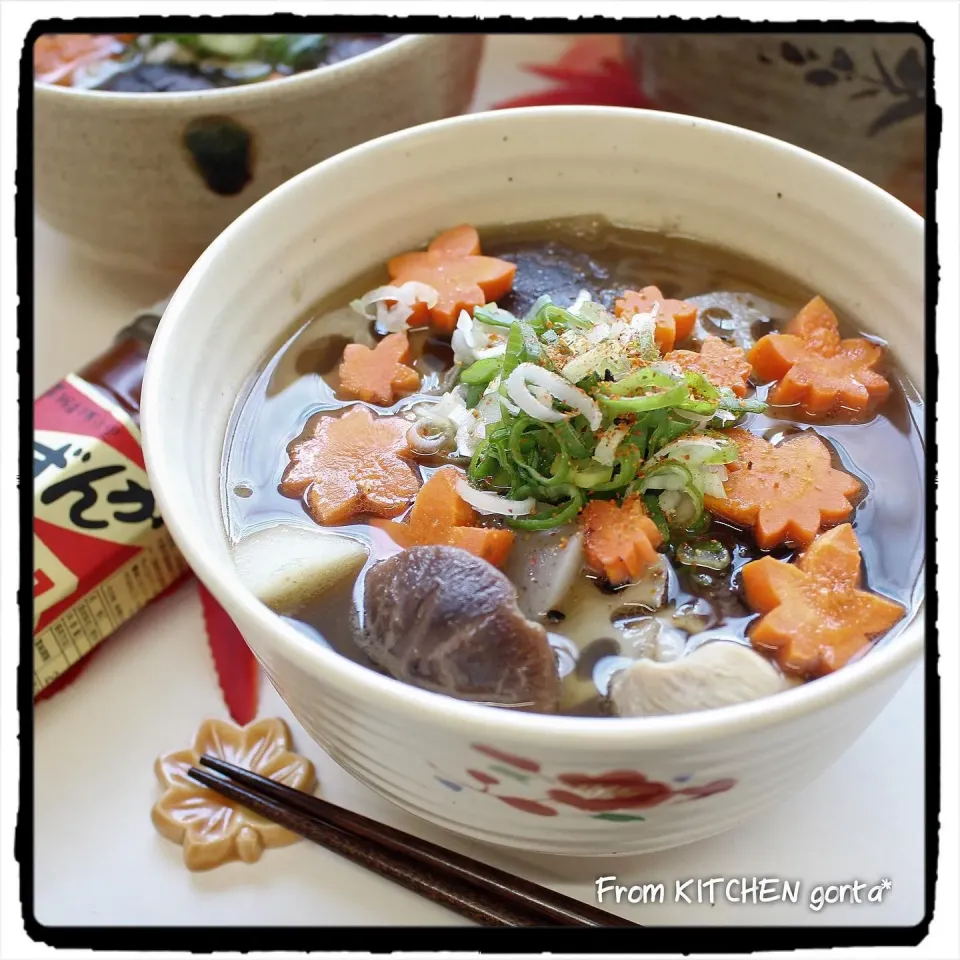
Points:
x=526 y=460
x=532 y=316
x=570 y=440
x=483 y=460
x=730 y=401
x=494 y=316
x=652 y=401
x=699 y=526
x=668 y=475
x=483 y=371
x=474 y=394
x=699 y=449
x=709 y=554
x=190 y=40
x=671 y=475
x=595 y=312
x=550 y=315
x=702 y=408
x=590 y=474
x=700 y=386
x=640 y=380
x=513 y=356
x=652 y=503
x=665 y=429
x=559 y=515
x=232 y=46
x=624 y=473
x=304 y=50
x=531 y=343
x=639 y=435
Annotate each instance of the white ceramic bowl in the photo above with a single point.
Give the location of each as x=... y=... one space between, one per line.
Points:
x=111 y=170
x=553 y=784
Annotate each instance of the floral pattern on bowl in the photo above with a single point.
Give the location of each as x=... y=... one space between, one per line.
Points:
x=613 y=795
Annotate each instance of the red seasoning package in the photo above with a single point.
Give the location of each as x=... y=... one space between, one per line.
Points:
x=101 y=550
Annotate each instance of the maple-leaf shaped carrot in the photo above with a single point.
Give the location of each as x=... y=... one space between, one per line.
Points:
x=462 y=278
x=787 y=492
x=619 y=542
x=816 y=370
x=441 y=517
x=723 y=365
x=815 y=616
x=380 y=375
x=351 y=465
x=674 y=321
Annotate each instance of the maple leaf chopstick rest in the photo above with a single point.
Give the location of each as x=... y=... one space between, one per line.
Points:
x=212 y=829
x=815 y=615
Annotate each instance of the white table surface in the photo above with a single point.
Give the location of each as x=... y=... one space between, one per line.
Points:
x=150 y=687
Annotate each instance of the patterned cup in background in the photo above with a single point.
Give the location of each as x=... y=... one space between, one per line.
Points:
x=148 y=180
x=858 y=99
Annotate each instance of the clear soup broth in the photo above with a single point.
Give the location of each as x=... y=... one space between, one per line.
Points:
x=597 y=629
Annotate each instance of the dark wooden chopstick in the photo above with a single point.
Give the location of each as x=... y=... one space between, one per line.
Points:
x=515 y=900
x=477 y=906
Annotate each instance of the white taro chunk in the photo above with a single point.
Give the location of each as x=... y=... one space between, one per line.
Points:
x=287 y=566
x=589 y=612
x=716 y=674
x=544 y=568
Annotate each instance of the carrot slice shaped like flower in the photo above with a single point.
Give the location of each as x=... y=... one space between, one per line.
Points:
x=723 y=365
x=785 y=492
x=441 y=517
x=816 y=370
x=462 y=278
x=815 y=616
x=380 y=375
x=674 y=321
x=57 y=55
x=352 y=465
x=619 y=542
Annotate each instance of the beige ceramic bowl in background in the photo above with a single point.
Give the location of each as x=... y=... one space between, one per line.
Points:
x=112 y=172
x=858 y=99
x=556 y=784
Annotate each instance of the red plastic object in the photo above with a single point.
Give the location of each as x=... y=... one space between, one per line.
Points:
x=238 y=672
